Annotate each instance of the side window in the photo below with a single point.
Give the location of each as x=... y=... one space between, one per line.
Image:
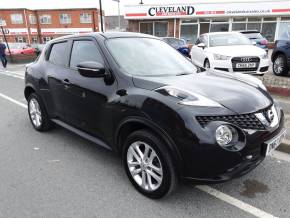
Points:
x=58 y=53
x=84 y=51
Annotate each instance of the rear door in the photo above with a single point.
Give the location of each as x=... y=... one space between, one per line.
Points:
x=56 y=70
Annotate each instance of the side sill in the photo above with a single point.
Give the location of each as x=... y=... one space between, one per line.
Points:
x=82 y=134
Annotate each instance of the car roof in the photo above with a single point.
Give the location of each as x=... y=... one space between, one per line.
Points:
x=107 y=35
x=221 y=33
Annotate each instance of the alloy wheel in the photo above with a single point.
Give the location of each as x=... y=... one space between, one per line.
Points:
x=35 y=113
x=279 y=65
x=145 y=166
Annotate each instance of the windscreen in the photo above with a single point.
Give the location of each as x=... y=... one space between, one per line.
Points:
x=148 y=57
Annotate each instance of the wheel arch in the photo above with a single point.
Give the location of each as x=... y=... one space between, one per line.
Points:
x=276 y=54
x=136 y=123
x=29 y=89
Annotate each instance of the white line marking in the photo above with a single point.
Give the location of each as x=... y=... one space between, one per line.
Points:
x=211 y=191
x=281 y=155
x=235 y=202
x=13 y=101
x=12 y=74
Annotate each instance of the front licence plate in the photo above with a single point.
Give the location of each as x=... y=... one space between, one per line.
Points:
x=245 y=65
x=273 y=143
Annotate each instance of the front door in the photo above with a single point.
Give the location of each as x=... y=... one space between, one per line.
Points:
x=87 y=97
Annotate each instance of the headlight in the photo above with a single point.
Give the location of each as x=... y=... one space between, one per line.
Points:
x=224 y=135
x=264 y=56
x=221 y=57
x=188 y=98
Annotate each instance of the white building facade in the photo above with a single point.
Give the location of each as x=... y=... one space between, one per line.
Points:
x=188 y=21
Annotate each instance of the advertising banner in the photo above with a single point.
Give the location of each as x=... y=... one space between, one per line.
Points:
x=207 y=10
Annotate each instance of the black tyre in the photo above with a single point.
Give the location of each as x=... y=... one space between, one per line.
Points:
x=148 y=164
x=37 y=114
x=280 y=67
x=206 y=64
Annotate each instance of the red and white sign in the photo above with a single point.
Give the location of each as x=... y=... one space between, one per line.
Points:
x=231 y=9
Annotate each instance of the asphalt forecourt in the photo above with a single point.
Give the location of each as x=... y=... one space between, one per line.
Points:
x=57 y=174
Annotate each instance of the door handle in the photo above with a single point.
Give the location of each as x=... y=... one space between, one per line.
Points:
x=66 y=82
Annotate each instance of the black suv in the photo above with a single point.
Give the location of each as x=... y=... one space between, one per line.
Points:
x=138 y=96
x=281 y=57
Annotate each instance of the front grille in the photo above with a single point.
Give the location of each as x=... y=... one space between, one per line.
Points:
x=244 y=121
x=236 y=60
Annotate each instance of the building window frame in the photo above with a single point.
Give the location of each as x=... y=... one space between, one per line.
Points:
x=16 y=18
x=86 y=17
x=65 y=18
x=46 y=39
x=32 y=19
x=20 y=39
x=45 y=19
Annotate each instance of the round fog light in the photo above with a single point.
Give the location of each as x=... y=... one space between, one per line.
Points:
x=224 y=135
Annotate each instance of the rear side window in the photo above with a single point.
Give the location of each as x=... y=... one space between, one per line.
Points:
x=58 y=54
x=84 y=50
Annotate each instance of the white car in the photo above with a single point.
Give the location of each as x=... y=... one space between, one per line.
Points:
x=229 y=52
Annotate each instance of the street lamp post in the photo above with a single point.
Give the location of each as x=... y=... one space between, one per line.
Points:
x=101 y=15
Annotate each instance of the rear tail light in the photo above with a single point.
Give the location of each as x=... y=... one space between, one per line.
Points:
x=264 y=42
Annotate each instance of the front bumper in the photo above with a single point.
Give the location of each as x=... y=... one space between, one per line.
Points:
x=227 y=66
x=205 y=161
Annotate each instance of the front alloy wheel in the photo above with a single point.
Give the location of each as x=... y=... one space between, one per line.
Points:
x=148 y=164
x=144 y=166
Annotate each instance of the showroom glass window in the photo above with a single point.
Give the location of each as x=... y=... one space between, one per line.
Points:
x=58 y=53
x=65 y=18
x=84 y=50
x=32 y=19
x=45 y=19
x=219 y=25
x=160 y=29
x=189 y=30
x=284 y=28
x=269 y=28
x=85 y=18
x=254 y=23
x=16 y=18
x=146 y=27
x=156 y=28
x=239 y=24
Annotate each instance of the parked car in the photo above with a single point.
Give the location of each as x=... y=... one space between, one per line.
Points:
x=136 y=95
x=229 y=52
x=38 y=48
x=178 y=44
x=20 y=49
x=256 y=37
x=281 y=57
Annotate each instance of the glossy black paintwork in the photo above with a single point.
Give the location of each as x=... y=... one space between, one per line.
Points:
x=105 y=107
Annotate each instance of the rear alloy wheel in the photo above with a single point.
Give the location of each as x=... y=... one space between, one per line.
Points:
x=280 y=67
x=148 y=165
x=37 y=113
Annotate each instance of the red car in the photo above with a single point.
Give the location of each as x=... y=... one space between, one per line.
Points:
x=20 y=48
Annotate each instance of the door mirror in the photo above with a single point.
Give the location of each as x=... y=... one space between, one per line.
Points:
x=91 y=69
x=201 y=45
